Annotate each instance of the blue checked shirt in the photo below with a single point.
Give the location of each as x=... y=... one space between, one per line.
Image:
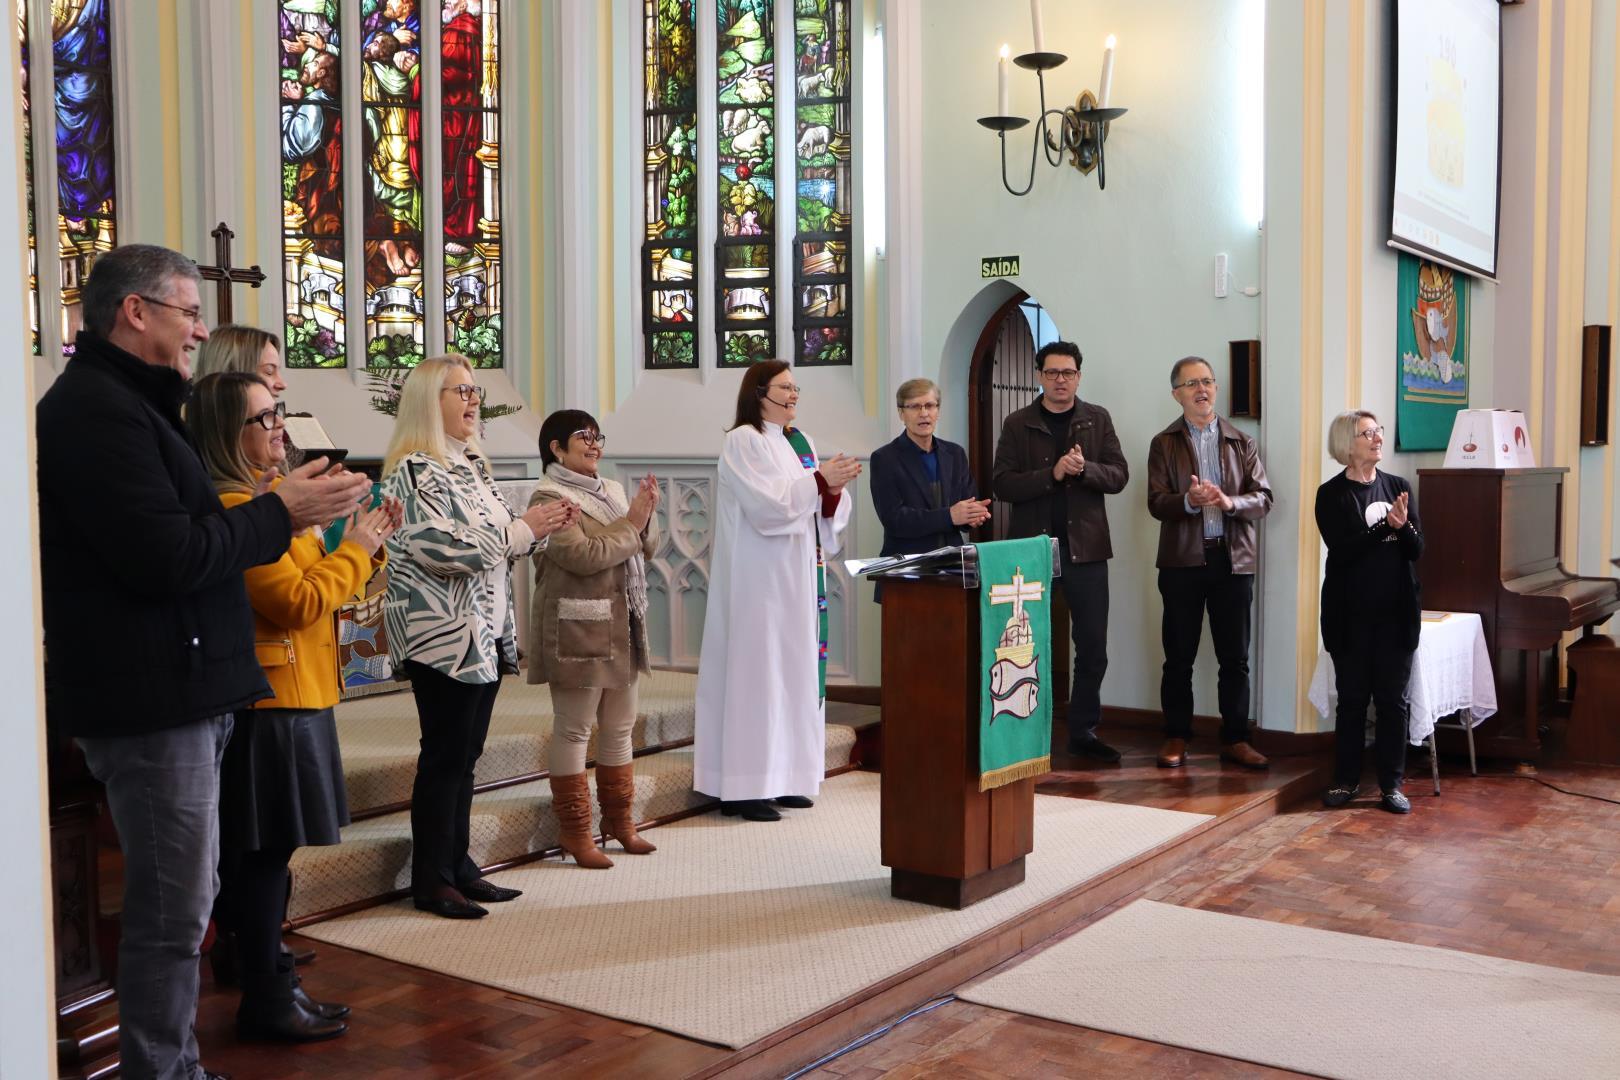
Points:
x=1207 y=446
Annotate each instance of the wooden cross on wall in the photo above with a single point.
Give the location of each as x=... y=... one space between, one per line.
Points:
x=224 y=275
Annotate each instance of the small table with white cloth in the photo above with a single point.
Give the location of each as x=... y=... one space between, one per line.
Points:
x=1451 y=674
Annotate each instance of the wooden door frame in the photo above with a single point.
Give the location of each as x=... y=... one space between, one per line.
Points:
x=981 y=424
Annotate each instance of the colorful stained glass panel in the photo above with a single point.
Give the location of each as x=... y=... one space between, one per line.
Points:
x=82 y=74
x=822 y=155
x=312 y=182
x=669 y=199
x=470 y=74
x=745 y=149
x=391 y=96
x=28 y=179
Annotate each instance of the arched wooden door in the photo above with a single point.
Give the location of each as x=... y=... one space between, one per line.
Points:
x=1002 y=379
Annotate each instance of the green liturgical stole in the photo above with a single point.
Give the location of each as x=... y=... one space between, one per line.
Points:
x=1015 y=663
x=801 y=446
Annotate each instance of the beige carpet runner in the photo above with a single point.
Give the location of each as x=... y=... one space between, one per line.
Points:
x=1316 y=1001
x=734 y=930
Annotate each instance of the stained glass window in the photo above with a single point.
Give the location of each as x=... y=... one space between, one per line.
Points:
x=391 y=99
x=822 y=142
x=471 y=119
x=669 y=253
x=312 y=182
x=745 y=148
x=81 y=56
x=28 y=178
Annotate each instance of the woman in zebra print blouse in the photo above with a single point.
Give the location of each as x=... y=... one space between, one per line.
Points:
x=449 y=617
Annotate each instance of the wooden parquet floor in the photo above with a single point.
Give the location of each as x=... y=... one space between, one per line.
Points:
x=1498 y=866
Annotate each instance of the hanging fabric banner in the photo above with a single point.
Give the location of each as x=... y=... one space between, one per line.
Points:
x=1015 y=636
x=1431 y=334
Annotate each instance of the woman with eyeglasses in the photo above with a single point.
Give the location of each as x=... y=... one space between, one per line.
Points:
x=449 y=615
x=1370 y=605
x=281 y=781
x=779 y=515
x=588 y=631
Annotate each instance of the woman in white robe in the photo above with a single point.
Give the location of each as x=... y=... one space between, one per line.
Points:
x=760 y=719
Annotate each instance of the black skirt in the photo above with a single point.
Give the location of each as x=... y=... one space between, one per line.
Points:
x=281 y=783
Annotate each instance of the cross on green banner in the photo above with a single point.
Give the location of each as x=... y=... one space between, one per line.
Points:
x=1015 y=663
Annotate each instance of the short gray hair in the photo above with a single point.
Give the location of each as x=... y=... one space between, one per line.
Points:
x=131 y=270
x=1175 y=369
x=914 y=388
x=1342 y=433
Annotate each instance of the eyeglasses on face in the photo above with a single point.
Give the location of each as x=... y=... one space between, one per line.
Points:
x=466 y=391
x=915 y=407
x=588 y=437
x=191 y=313
x=1065 y=374
x=1371 y=433
x=269 y=418
x=1205 y=383
x=790 y=388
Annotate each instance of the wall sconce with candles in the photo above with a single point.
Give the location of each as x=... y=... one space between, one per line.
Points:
x=1080 y=129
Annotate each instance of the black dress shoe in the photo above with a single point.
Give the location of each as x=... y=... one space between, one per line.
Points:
x=209 y=1074
x=326 y=1010
x=270 y=1012
x=487 y=892
x=451 y=908
x=1095 y=749
x=794 y=802
x=750 y=810
x=299 y=958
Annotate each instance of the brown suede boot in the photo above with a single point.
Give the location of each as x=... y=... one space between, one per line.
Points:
x=571 y=801
x=615 y=790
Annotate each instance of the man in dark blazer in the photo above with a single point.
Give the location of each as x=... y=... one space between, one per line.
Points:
x=920 y=483
x=148 y=632
x=1056 y=459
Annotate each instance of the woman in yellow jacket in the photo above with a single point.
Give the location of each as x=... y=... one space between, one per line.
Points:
x=281 y=782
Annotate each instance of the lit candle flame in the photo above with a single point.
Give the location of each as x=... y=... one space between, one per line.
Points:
x=1111 y=42
x=1005 y=52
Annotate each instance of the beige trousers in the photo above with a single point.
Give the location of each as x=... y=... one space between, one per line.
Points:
x=577 y=709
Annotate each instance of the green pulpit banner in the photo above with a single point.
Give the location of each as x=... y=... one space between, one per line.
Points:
x=1015 y=635
x=1431 y=337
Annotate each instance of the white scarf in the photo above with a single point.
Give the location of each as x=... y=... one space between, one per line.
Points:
x=604 y=503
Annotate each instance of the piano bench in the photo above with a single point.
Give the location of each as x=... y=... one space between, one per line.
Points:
x=1594 y=724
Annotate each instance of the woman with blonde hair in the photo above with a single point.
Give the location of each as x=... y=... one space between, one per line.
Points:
x=449 y=615
x=1370 y=605
x=234 y=347
x=588 y=631
x=281 y=781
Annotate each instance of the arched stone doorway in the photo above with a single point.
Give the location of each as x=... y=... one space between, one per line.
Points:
x=1001 y=380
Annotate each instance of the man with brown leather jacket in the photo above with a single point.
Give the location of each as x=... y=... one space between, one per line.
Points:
x=1207 y=488
x=1056 y=459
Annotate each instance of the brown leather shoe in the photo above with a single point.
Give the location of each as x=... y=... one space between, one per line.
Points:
x=1173 y=754
x=1241 y=753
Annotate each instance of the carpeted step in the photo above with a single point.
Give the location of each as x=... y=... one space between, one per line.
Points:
x=379 y=735
x=374 y=858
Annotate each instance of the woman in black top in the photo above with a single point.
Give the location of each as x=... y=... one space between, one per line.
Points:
x=1370 y=605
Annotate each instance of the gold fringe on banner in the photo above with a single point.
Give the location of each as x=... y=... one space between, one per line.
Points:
x=1011 y=774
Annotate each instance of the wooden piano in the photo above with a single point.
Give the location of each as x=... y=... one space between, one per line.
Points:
x=1491 y=544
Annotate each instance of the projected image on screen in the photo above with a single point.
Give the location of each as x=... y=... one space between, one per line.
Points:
x=1447 y=101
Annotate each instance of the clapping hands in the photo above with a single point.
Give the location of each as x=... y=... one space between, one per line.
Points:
x=545 y=518
x=1070 y=464
x=839 y=470
x=970 y=512
x=1396 y=518
x=645 y=503
x=1203 y=493
x=372 y=528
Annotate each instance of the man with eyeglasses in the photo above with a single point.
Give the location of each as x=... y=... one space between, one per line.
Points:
x=1056 y=459
x=1207 y=488
x=148 y=632
x=921 y=487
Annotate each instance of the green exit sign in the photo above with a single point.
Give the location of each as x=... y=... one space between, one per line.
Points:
x=999 y=266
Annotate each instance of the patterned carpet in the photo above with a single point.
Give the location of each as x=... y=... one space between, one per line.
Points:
x=1316 y=1001
x=734 y=930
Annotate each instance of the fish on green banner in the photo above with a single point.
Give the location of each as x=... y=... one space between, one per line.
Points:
x=1015 y=635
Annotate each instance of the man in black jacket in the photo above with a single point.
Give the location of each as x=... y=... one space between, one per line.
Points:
x=920 y=484
x=1056 y=459
x=148 y=632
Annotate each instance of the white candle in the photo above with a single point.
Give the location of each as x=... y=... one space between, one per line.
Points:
x=1001 y=84
x=1105 y=84
x=1035 y=19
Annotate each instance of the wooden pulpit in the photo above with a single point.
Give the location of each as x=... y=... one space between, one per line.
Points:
x=947 y=843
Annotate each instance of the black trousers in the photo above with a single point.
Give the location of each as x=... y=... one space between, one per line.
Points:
x=454 y=717
x=1189 y=592
x=1372 y=666
x=252 y=902
x=1085 y=588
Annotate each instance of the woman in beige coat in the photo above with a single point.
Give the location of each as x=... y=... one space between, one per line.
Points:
x=588 y=631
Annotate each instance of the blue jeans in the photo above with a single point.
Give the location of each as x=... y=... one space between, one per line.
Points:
x=163 y=791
